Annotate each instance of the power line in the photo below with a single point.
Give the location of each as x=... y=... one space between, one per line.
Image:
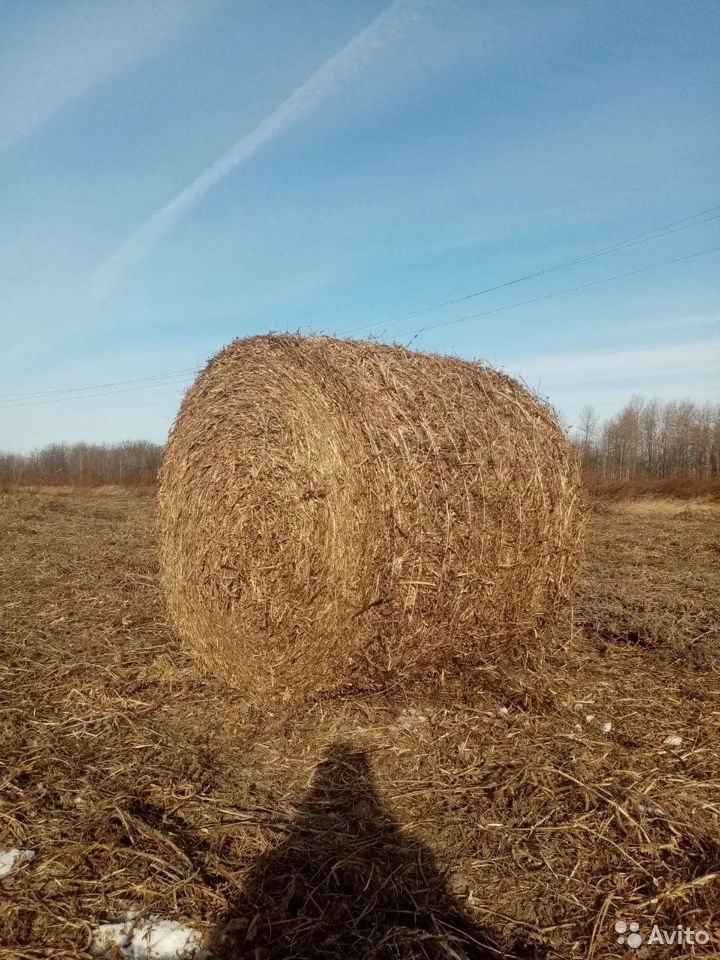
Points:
x=96 y=386
x=470 y=316
x=656 y=234
x=33 y=398
x=557 y=293
x=89 y=396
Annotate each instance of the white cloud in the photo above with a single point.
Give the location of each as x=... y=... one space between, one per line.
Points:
x=680 y=322
x=74 y=49
x=602 y=366
x=327 y=80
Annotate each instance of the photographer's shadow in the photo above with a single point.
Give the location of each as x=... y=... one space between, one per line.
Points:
x=346 y=884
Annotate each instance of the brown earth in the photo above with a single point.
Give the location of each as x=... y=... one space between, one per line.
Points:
x=491 y=819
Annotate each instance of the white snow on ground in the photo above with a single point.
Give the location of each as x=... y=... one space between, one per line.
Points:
x=589 y=718
x=413 y=715
x=148 y=939
x=8 y=859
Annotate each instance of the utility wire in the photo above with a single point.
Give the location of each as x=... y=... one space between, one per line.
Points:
x=433 y=326
x=656 y=234
x=97 y=386
x=89 y=396
x=33 y=398
x=557 y=293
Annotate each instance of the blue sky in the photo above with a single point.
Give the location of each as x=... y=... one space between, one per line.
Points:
x=176 y=173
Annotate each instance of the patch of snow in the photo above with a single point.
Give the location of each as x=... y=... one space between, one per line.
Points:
x=606 y=727
x=413 y=715
x=673 y=740
x=149 y=939
x=8 y=859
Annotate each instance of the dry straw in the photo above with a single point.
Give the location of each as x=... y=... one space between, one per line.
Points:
x=340 y=514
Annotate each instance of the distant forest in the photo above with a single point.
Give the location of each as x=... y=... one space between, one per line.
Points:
x=133 y=462
x=649 y=445
x=650 y=441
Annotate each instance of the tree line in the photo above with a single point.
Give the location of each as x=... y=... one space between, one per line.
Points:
x=676 y=443
x=652 y=441
x=83 y=464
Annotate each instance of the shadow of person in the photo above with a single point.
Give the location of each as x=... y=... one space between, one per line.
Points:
x=346 y=884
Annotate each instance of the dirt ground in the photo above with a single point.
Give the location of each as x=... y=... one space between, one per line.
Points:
x=521 y=815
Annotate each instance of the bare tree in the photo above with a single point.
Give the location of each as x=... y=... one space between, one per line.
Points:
x=587 y=433
x=655 y=441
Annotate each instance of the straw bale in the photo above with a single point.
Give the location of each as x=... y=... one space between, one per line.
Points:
x=341 y=514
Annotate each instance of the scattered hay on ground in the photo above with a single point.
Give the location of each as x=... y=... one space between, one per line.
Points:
x=492 y=818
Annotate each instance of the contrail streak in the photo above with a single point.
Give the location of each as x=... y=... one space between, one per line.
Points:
x=326 y=80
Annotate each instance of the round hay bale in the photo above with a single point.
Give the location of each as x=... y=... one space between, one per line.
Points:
x=335 y=513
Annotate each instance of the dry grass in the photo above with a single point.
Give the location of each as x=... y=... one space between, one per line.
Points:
x=677 y=508
x=339 y=515
x=673 y=487
x=478 y=820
